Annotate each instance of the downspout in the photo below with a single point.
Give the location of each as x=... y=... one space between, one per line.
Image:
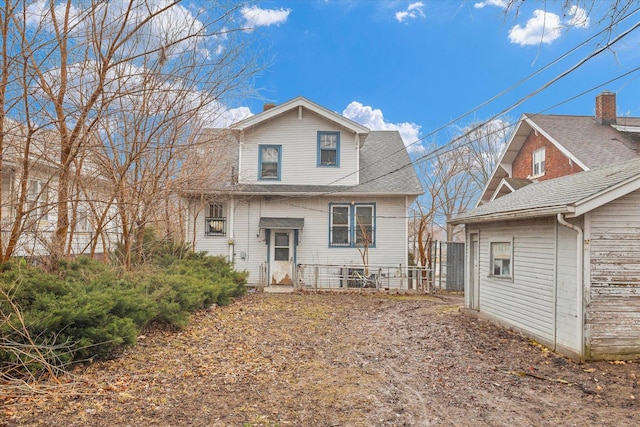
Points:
x=580 y=287
x=232 y=226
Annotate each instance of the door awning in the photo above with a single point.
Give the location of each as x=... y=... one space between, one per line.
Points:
x=288 y=223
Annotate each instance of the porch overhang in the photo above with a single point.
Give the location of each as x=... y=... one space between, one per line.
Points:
x=283 y=223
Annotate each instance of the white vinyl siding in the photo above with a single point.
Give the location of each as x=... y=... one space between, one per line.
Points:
x=526 y=301
x=249 y=241
x=299 y=141
x=613 y=314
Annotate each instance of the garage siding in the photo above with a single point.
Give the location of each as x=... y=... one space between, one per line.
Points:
x=526 y=301
x=613 y=313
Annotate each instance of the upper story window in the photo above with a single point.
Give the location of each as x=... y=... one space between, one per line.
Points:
x=270 y=161
x=538 y=162
x=352 y=225
x=215 y=223
x=328 y=148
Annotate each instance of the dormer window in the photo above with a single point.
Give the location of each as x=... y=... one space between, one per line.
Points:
x=538 y=162
x=328 y=148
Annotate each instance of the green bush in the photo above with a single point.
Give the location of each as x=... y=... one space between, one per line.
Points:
x=89 y=309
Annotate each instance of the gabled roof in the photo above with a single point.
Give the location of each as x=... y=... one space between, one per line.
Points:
x=573 y=195
x=509 y=185
x=585 y=142
x=301 y=102
x=385 y=169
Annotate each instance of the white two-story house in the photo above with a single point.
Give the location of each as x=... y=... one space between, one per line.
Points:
x=296 y=187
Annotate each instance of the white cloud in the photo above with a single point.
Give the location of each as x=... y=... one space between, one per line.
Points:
x=172 y=29
x=498 y=3
x=579 y=17
x=257 y=17
x=544 y=27
x=374 y=120
x=413 y=11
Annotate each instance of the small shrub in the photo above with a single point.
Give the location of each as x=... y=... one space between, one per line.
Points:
x=89 y=309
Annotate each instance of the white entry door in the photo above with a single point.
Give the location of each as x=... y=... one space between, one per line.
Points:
x=281 y=257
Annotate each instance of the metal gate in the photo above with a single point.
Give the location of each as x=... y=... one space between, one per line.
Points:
x=455 y=266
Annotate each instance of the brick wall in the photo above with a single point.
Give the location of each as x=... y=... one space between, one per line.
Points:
x=556 y=163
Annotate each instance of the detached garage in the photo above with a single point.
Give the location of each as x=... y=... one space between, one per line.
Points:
x=559 y=260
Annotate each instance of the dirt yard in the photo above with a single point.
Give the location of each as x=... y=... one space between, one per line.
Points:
x=335 y=360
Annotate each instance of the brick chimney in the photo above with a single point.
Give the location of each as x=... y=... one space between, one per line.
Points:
x=270 y=105
x=606 y=108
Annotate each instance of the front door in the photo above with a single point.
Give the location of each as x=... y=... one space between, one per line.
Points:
x=281 y=256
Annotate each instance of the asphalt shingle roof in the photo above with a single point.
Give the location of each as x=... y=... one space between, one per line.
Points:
x=593 y=144
x=555 y=193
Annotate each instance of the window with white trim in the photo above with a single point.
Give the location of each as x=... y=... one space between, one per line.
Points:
x=82 y=220
x=352 y=225
x=339 y=226
x=270 y=158
x=538 y=162
x=363 y=215
x=37 y=200
x=501 y=255
x=215 y=223
x=328 y=148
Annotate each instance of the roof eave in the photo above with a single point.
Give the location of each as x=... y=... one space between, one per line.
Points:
x=517 y=214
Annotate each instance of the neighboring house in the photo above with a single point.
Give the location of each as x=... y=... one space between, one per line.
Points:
x=299 y=185
x=30 y=167
x=553 y=248
x=544 y=147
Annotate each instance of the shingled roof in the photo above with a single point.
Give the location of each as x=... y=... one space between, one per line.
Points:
x=568 y=194
x=593 y=144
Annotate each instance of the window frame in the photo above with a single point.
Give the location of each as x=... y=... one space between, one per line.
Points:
x=352 y=232
x=37 y=199
x=320 y=163
x=216 y=217
x=332 y=226
x=261 y=163
x=493 y=258
x=277 y=246
x=540 y=163
x=357 y=227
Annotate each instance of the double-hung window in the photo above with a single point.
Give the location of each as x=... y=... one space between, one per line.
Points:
x=363 y=216
x=538 y=162
x=328 y=148
x=352 y=225
x=501 y=255
x=215 y=223
x=339 y=226
x=270 y=160
x=37 y=200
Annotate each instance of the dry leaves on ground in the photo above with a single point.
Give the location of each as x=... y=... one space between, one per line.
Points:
x=334 y=360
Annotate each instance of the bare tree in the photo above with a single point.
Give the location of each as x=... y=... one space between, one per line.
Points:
x=123 y=86
x=453 y=178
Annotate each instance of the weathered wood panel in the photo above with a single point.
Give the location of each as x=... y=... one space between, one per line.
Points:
x=613 y=313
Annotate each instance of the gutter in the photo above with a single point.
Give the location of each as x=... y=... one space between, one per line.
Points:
x=500 y=216
x=579 y=280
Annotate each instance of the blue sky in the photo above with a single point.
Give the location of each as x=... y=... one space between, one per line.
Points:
x=415 y=66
